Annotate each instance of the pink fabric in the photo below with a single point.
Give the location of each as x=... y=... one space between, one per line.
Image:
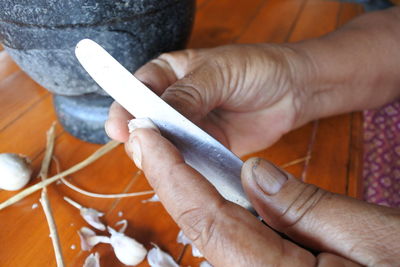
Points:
x=381 y=170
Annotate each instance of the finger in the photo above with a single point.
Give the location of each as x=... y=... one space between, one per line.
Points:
x=184 y=81
x=189 y=85
x=227 y=234
x=159 y=74
x=323 y=220
x=197 y=93
x=165 y=70
x=116 y=125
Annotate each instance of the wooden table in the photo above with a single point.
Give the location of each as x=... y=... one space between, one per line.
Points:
x=26 y=110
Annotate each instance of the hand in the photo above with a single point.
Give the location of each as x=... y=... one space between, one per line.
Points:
x=228 y=90
x=247 y=96
x=348 y=232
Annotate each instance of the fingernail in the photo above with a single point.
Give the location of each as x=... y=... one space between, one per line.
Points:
x=141 y=123
x=268 y=177
x=106 y=127
x=136 y=150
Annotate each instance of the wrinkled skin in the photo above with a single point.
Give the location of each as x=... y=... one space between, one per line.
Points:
x=227 y=101
x=248 y=96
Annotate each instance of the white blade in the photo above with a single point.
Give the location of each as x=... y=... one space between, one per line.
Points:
x=205 y=154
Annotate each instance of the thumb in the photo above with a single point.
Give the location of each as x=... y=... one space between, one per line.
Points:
x=320 y=219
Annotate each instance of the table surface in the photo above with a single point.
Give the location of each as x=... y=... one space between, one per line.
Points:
x=26 y=112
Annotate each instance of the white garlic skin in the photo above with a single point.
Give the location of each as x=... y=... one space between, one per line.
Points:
x=15 y=171
x=158 y=258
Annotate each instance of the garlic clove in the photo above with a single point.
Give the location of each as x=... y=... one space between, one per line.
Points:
x=93 y=260
x=182 y=239
x=158 y=258
x=128 y=250
x=138 y=123
x=89 y=239
x=15 y=171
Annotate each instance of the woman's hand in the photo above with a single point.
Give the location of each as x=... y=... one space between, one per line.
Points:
x=247 y=96
x=348 y=232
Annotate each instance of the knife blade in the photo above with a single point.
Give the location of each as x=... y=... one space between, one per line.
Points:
x=201 y=151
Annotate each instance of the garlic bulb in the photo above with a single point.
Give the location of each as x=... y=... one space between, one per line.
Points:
x=127 y=250
x=15 y=171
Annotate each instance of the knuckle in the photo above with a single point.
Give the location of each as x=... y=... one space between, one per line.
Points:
x=186 y=93
x=200 y=224
x=180 y=61
x=303 y=206
x=188 y=99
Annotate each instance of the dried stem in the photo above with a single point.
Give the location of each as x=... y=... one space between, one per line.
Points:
x=97 y=195
x=44 y=200
x=97 y=154
x=91 y=194
x=44 y=169
x=73 y=203
x=296 y=161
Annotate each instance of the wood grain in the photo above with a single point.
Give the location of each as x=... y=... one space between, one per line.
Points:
x=26 y=112
x=274 y=22
x=18 y=94
x=220 y=22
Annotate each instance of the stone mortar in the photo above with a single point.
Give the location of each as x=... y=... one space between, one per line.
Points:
x=40 y=35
